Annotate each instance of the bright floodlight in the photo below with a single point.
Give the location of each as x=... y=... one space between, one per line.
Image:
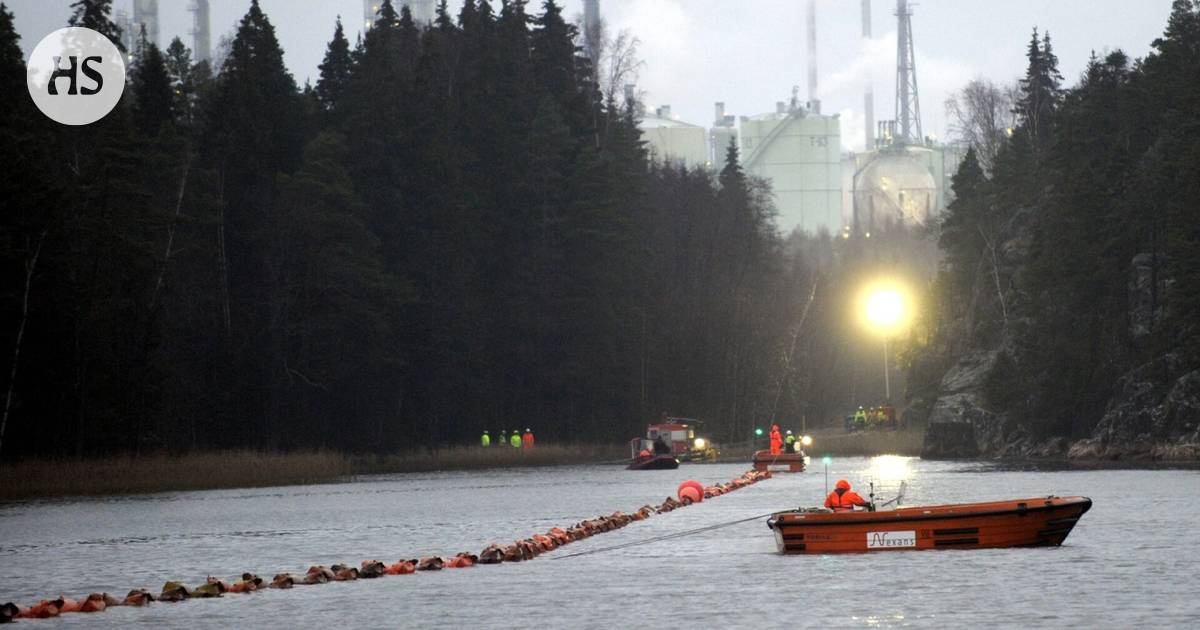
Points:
x=806 y=440
x=885 y=308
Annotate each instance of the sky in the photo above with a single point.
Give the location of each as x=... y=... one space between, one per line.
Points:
x=750 y=53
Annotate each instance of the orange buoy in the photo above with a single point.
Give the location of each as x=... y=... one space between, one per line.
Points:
x=696 y=485
x=689 y=494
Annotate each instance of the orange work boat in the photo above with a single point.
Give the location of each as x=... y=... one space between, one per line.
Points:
x=779 y=462
x=1039 y=522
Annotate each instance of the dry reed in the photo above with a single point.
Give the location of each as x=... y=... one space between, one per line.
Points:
x=57 y=477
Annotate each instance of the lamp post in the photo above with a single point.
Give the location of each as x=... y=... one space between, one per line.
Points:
x=885 y=311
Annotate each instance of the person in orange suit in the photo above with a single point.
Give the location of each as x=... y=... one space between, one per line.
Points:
x=776 y=439
x=527 y=439
x=843 y=499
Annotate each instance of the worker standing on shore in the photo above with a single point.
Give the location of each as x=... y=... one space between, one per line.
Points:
x=860 y=419
x=503 y=441
x=843 y=499
x=527 y=439
x=486 y=440
x=515 y=439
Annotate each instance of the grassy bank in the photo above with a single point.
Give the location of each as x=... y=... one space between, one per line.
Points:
x=869 y=443
x=44 y=478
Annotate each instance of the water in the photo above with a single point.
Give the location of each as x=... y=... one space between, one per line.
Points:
x=1130 y=561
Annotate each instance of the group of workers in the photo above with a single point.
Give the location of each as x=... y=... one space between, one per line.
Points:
x=782 y=442
x=882 y=417
x=516 y=440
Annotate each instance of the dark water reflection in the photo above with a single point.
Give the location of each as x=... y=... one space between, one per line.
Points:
x=1130 y=562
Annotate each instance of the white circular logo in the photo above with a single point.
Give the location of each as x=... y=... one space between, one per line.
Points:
x=76 y=75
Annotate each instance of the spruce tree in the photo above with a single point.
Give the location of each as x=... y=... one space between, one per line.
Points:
x=335 y=70
x=154 y=96
x=96 y=15
x=961 y=230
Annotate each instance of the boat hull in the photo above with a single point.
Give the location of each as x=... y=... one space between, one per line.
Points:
x=657 y=462
x=1038 y=522
x=781 y=462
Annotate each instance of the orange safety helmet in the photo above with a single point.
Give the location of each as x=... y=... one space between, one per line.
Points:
x=842 y=484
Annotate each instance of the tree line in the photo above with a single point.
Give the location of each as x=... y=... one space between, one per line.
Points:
x=1073 y=243
x=454 y=229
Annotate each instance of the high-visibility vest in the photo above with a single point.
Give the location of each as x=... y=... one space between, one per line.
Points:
x=515 y=440
x=486 y=440
x=791 y=439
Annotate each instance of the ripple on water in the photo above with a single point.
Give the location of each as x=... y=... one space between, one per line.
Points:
x=1128 y=563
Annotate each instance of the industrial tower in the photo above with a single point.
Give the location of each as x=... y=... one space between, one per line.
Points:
x=201 y=36
x=145 y=15
x=592 y=31
x=869 y=94
x=423 y=11
x=908 y=105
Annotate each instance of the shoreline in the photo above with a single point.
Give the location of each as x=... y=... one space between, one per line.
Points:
x=51 y=478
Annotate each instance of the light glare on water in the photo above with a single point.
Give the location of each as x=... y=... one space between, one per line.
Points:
x=1128 y=562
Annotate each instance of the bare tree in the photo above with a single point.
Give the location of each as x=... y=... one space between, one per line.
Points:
x=981 y=115
x=619 y=65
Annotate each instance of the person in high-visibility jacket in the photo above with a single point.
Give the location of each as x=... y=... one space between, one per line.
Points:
x=486 y=440
x=527 y=439
x=776 y=439
x=503 y=441
x=843 y=499
x=860 y=419
x=515 y=439
x=789 y=442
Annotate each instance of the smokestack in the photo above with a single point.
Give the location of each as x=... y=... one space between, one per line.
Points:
x=145 y=15
x=869 y=95
x=591 y=29
x=812 y=57
x=201 y=38
x=719 y=112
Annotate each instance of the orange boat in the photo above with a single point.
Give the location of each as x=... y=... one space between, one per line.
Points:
x=780 y=462
x=1039 y=522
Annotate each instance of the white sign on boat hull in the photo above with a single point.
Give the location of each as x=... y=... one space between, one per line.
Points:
x=891 y=540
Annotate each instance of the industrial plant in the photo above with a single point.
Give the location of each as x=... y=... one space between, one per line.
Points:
x=902 y=176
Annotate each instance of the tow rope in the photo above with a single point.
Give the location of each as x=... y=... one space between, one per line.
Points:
x=665 y=537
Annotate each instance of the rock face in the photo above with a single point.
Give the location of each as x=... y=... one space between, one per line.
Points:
x=1154 y=409
x=1154 y=414
x=949 y=440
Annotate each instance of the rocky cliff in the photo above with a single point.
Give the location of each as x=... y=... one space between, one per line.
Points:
x=1153 y=412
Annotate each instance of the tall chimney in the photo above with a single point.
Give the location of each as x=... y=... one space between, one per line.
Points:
x=719 y=113
x=869 y=95
x=591 y=30
x=812 y=57
x=201 y=38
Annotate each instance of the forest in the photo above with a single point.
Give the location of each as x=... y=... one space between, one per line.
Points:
x=1067 y=303
x=456 y=228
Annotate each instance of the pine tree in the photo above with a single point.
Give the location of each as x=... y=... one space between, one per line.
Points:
x=335 y=70
x=154 y=96
x=961 y=230
x=1040 y=93
x=95 y=14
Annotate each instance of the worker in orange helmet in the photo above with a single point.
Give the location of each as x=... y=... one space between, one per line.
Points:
x=527 y=439
x=776 y=439
x=843 y=499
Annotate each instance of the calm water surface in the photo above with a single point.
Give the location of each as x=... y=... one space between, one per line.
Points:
x=1130 y=562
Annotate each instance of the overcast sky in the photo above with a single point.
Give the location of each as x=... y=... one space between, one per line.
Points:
x=749 y=53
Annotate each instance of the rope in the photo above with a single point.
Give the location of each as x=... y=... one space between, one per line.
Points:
x=665 y=537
